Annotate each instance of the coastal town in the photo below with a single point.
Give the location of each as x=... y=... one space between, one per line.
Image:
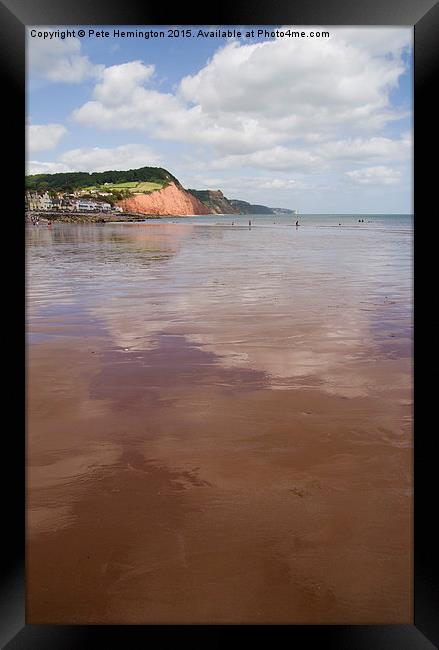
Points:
x=78 y=201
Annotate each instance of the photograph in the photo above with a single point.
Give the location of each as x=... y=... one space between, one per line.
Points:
x=219 y=239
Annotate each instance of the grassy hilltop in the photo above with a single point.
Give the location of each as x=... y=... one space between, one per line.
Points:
x=144 y=179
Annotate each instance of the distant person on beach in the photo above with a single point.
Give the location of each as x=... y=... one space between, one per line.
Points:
x=250 y=223
x=297 y=223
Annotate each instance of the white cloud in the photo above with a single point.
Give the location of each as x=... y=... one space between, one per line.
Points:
x=60 y=60
x=284 y=78
x=376 y=148
x=128 y=156
x=40 y=167
x=321 y=157
x=380 y=175
x=278 y=184
x=41 y=137
x=276 y=159
x=119 y=82
x=254 y=97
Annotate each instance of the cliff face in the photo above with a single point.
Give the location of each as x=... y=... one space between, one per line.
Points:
x=172 y=200
x=215 y=201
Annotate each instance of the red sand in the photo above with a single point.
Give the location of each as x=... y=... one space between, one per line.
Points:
x=164 y=488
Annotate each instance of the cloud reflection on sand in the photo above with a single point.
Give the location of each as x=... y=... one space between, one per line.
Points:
x=292 y=313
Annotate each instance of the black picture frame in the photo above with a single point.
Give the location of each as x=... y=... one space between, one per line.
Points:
x=14 y=16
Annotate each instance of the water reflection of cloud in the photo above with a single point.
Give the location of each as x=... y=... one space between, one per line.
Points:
x=257 y=300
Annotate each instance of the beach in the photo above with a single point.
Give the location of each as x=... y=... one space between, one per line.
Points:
x=219 y=421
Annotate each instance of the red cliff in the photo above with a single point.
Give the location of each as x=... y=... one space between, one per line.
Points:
x=172 y=200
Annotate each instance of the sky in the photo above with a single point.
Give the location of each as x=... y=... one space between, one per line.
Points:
x=317 y=124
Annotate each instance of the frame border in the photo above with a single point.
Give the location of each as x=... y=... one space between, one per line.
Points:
x=15 y=15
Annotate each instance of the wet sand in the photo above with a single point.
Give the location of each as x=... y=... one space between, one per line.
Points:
x=206 y=449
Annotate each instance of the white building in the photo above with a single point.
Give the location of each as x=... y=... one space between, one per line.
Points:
x=37 y=201
x=65 y=202
x=85 y=205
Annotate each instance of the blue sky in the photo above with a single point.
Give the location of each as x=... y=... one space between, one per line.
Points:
x=317 y=124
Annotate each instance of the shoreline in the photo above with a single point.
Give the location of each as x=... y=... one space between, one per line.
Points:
x=95 y=217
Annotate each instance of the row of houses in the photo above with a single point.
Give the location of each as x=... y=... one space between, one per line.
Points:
x=66 y=202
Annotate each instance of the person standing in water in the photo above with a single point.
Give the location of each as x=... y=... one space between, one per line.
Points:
x=297 y=223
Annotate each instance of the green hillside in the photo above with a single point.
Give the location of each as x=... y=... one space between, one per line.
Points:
x=243 y=207
x=144 y=179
